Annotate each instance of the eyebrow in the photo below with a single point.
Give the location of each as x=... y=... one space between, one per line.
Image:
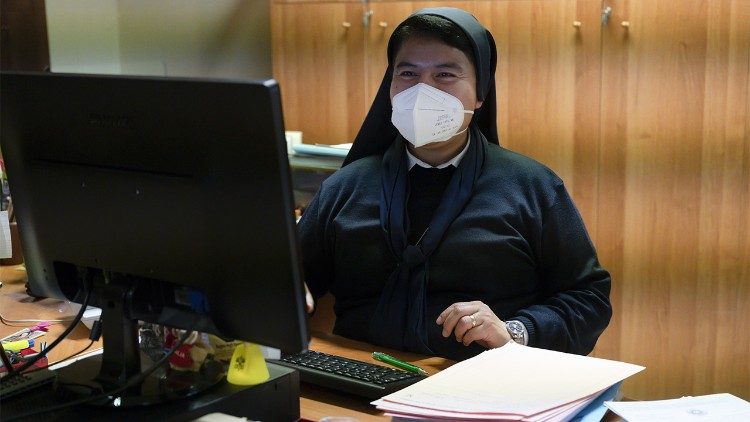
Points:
x=447 y=65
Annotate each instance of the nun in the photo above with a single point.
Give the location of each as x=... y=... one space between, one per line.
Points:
x=433 y=238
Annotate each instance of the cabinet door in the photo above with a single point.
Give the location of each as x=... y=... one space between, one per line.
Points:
x=318 y=60
x=675 y=186
x=548 y=86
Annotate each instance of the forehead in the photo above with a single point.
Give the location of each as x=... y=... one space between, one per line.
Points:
x=427 y=51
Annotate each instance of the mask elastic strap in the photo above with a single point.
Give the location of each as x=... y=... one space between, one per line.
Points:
x=458 y=133
x=411 y=109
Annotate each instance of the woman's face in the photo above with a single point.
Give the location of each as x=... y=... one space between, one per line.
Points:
x=430 y=61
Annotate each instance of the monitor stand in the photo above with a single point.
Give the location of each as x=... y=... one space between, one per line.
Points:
x=122 y=360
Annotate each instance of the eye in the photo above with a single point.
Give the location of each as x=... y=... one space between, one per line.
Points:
x=445 y=75
x=406 y=74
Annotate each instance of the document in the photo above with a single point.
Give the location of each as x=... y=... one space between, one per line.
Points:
x=512 y=382
x=713 y=408
x=6 y=247
x=340 y=150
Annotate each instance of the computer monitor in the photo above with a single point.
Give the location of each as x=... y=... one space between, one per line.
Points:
x=171 y=197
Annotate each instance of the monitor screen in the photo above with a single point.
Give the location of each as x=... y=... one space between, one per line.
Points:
x=179 y=189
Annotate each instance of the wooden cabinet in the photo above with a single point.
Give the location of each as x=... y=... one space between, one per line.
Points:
x=646 y=119
x=674 y=186
x=548 y=87
x=318 y=59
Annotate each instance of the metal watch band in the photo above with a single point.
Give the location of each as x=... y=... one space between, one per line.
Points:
x=517 y=332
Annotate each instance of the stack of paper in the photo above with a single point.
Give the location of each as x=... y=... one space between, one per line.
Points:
x=514 y=383
x=710 y=408
x=336 y=150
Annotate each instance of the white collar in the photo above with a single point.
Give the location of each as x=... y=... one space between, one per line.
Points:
x=412 y=160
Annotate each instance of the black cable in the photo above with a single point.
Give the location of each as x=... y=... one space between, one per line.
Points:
x=29 y=363
x=128 y=384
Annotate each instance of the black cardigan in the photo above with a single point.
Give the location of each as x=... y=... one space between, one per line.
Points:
x=519 y=245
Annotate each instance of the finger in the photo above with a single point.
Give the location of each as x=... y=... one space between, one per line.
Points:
x=461 y=309
x=464 y=326
x=309 y=301
x=454 y=314
x=489 y=334
x=477 y=333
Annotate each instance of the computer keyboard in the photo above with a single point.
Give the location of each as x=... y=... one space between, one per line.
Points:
x=12 y=386
x=348 y=375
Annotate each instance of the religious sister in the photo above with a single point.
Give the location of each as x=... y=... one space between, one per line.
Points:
x=434 y=239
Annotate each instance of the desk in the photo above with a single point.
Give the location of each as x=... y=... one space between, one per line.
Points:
x=16 y=304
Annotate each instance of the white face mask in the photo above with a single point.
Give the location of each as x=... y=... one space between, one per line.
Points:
x=424 y=114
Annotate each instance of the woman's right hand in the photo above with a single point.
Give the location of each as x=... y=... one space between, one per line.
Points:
x=309 y=301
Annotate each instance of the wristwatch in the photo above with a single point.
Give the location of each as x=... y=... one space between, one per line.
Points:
x=517 y=332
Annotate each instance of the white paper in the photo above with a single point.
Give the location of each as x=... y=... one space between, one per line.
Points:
x=513 y=381
x=320 y=149
x=6 y=247
x=714 y=408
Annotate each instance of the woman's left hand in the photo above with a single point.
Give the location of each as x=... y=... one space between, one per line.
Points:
x=473 y=322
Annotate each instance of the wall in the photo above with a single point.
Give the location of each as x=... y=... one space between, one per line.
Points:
x=83 y=36
x=220 y=38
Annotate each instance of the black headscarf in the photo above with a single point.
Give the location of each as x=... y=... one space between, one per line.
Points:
x=377 y=132
x=399 y=320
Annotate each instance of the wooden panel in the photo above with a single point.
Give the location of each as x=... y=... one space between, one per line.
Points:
x=675 y=194
x=319 y=65
x=23 y=36
x=548 y=87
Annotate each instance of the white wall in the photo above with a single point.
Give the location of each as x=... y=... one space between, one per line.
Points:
x=211 y=38
x=83 y=36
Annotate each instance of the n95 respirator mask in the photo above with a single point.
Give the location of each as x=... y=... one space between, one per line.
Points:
x=424 y=114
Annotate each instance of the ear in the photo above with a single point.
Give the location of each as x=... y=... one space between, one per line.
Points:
x=478 y=105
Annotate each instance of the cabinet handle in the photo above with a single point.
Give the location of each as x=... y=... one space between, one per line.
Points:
x=366 y=18
x=606 y=13
x=577 y=24
x=382 y=24
x=346 y=24
x=625 y=24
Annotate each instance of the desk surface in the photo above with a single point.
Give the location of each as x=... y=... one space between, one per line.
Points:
x=15 y=304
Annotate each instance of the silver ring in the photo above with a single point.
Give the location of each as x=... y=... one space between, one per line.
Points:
x=473 y=320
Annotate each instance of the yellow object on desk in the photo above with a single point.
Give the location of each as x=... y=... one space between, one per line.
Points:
x=248 y=367
x=17 y=346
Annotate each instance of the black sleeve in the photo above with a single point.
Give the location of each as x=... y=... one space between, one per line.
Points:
x=574 y=308
x=317 y=259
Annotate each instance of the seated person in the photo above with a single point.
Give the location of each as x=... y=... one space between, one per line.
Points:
x=434 y=239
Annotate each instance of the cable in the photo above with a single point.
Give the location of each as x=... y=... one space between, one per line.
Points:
x=128 y=384
x=6 y=361
x=29 y=363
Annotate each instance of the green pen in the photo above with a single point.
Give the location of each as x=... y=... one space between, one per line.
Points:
x=398 y=363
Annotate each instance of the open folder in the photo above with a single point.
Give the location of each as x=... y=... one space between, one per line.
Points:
x=512 y=382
